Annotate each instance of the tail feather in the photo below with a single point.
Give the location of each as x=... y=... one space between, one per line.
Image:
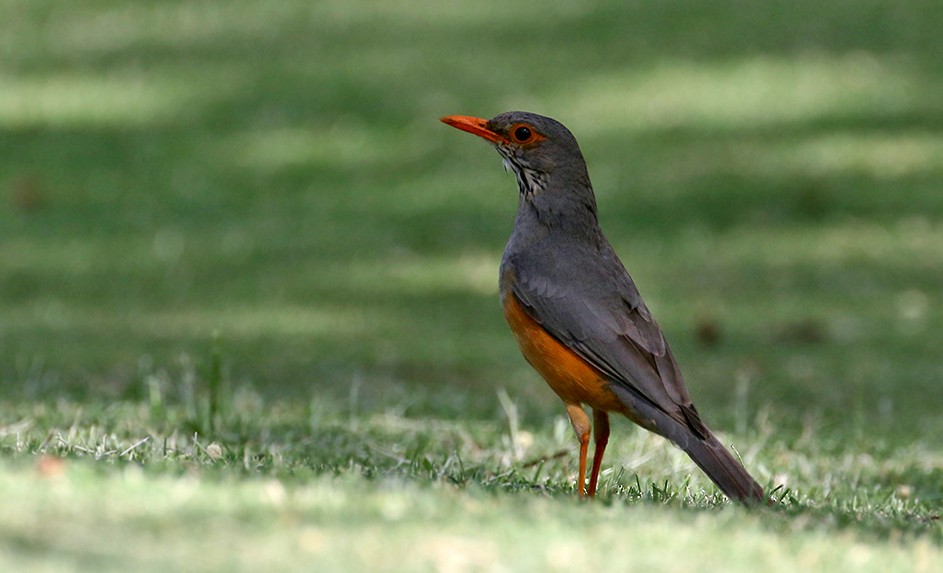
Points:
x=695 y=438
x=724 y=470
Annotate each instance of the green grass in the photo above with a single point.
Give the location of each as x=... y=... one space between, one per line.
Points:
x=248 y=283
x=302 y=486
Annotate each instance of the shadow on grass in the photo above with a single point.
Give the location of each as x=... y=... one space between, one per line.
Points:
x=277 y=174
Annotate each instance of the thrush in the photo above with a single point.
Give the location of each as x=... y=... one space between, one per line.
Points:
x=577 y=315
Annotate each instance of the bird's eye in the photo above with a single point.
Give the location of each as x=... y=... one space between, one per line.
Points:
x=524 y=134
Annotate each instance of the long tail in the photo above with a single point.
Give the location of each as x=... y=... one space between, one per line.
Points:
x=696 y=439
x=724 y=470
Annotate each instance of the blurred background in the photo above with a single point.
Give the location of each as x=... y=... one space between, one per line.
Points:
x=273 y=174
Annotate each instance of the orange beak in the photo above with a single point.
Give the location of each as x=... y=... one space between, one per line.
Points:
x=474 y=125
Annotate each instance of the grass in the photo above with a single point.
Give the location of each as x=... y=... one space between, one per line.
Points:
x=248 y=312
x=124 y=486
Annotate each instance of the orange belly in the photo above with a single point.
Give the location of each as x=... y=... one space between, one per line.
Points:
x=573 y=379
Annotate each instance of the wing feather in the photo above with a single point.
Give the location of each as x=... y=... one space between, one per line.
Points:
x=601 y=317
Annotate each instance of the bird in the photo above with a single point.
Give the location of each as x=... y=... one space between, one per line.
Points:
x=578 y=316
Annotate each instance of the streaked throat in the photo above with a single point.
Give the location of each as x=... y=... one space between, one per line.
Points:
x=529 y=181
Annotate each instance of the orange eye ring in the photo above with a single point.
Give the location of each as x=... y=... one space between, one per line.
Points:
x=524 y=134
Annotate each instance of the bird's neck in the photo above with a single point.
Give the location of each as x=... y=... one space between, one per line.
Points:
x=568 y=210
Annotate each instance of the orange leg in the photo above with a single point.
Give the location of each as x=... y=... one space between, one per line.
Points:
x=601 y=436
x=580 y=422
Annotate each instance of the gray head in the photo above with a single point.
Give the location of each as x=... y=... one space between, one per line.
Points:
x=551 y=174
x=540 y=151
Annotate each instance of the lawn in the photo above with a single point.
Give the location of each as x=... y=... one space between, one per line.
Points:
x=248 y=283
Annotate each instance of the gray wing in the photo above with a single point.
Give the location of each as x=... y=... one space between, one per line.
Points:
x=595 y=309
